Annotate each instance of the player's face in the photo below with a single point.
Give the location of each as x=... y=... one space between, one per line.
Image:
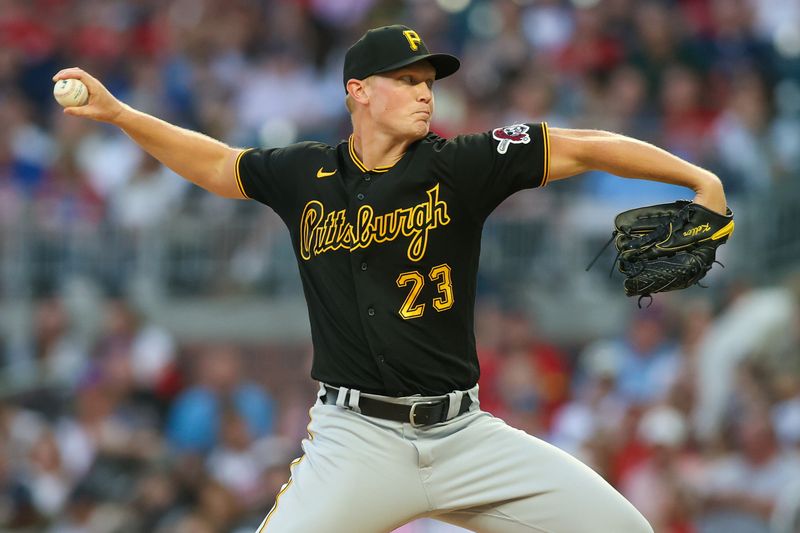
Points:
x=401 y=101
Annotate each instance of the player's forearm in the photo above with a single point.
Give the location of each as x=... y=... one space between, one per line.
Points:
x=198 y=158
x=631 y=158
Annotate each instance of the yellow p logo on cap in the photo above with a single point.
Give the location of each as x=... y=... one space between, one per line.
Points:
x=413 y=39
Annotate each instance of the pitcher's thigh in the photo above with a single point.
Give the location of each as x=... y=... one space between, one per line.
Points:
x=533 y=515
x=353 y=478
x=336 y=505
x=530 y=485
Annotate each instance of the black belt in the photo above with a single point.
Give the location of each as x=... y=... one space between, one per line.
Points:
x=421 y=413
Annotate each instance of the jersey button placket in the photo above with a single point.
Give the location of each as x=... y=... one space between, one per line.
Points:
x=360 y=196
x=371 y=311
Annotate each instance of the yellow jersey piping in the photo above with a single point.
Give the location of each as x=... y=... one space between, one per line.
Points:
x=295 y=462
x=238 y=176
x=358 y=162
x=546 y=141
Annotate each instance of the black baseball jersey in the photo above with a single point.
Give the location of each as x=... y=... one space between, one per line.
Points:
x=389 y=256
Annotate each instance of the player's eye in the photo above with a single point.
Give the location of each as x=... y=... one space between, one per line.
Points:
x=407 y=79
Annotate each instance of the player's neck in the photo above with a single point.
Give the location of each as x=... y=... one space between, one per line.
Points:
x=377 y=149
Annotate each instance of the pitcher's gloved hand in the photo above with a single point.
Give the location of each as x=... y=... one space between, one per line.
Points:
x=667 y=247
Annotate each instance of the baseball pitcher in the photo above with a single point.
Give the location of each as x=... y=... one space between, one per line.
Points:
x=386 y=227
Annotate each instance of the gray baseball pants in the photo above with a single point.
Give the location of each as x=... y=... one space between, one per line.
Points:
x=362 y=474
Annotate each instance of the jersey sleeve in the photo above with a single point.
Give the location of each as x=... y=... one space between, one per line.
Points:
x=257 y=176
x=269 y=175
x=491 y=166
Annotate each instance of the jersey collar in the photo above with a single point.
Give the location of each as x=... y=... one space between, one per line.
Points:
x=357 y=162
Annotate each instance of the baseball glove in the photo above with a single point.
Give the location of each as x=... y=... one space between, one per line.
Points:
x=667 y=247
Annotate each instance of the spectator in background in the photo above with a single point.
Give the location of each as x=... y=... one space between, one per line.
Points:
x=145 y=348
x=11 y=204
x=61 y=358
x=284 y=72
x=155 y=497
x=733 y=42
x=548 y=26
x=742 y=137
x=68 y=199
x=218 y=505
x=104 y=427
x=533 y=376
x=532 y=96
x=236 y=462
x=687 y=117
x=595 y=410
x=489 y=336
x=662 y=485
x=659 y=42
x=32 y=150
x=87 y=512
x=17 y=510
x=742 y=487
x=106 y=160
x=625 y=107
x=591 y=51
x=47 y=477
x=189 y=523
x=648 y=358
x=146 y=199
x=195 y=418
x=67 y=211
x=786 y=412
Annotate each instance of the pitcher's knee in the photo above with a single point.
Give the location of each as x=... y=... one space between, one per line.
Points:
x=632 y=521
x=616 y=517
x=613 y=515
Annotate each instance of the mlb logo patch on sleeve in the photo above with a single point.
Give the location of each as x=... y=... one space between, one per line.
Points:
x=516 y=134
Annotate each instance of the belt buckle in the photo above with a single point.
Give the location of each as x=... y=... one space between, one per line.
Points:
x=413 y=412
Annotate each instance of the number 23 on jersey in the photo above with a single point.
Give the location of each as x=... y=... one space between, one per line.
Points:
x=441 y=276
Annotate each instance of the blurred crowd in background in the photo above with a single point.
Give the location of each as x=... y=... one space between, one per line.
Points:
x=691 y=408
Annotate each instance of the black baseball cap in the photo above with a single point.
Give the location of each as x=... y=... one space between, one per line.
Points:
x=389 y=48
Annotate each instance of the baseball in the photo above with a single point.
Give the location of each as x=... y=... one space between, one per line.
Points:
x=70 y=93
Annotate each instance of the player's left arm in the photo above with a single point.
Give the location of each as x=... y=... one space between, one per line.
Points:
x=575 y=151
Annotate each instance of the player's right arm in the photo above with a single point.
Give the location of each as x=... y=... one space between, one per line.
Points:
x=577 y=151
x=200 y=159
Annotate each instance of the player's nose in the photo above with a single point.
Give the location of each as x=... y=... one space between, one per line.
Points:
x=424 y=92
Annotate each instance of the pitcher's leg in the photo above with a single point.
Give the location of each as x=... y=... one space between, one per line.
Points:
x=357 y=475
x=525 y=516
x=513 y=482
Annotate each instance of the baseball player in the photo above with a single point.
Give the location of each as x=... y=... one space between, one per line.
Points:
x=386 y=227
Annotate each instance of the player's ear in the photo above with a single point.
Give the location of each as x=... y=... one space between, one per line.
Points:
x=357 y=89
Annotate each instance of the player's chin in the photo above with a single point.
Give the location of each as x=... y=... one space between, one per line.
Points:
x=420 y=128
